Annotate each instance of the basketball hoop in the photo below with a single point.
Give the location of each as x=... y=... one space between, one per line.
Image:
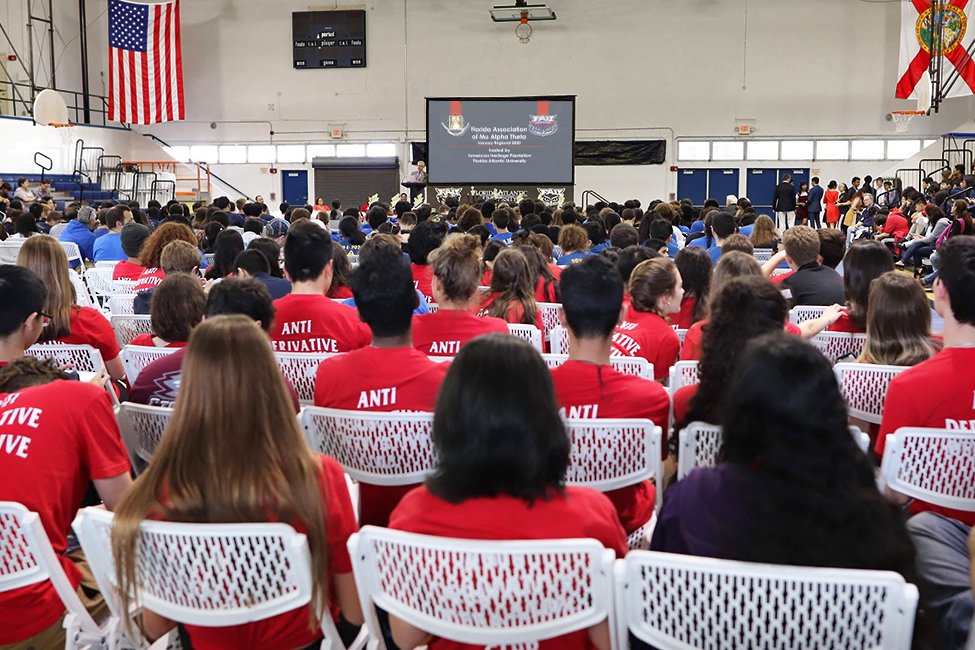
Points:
x=66 y=131
x=523 y=30
x=902 y=119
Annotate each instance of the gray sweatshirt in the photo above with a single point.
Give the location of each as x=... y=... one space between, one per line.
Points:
x=939 y=228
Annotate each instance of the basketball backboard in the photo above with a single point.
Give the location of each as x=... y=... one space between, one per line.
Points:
x=49 y=108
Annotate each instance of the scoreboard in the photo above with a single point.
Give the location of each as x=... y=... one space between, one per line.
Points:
x=329 y=39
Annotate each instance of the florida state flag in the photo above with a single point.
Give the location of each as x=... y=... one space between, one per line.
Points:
x=920 y=39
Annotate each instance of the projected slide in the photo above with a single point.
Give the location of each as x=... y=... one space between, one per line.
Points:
x=502 y=141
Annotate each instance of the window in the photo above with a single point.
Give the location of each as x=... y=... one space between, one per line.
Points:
x=233 y=154
x=260 y=153
x=797 y=150
x=928 y=143
x=381 y=150
x=833 y=150
x=758 y=150
x=728 y=150
x=902 y=149
x=321 y=151
x=179 y=153
x=350 y=150
x=291 y=153
x=204 y=153
x=694 y=150
x=867 y=150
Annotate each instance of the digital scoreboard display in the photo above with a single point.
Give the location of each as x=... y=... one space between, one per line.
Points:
x=329 y=39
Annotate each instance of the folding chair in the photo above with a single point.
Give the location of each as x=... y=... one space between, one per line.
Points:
x=528 y=332
x=932 y=465
x=82 y=358
x=122 y=305
x=682 y=373
x=762 y=255
x=9 y=250
x=560 y=340
x=301 y=368
x=136 y=357
x=837 y=346
x=142 y=429
x=681 y=335
x=130 y=326
x=803 y=313
x=864 y=387
x=81 y=296
x=550 y=317
x=73 y=252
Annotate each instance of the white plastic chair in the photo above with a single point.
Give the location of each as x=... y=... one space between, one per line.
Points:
x=483 y=289
x=301 y=368
x=81 y=296
x=377 y=448
x=100 y=281
x=111 y=264
x=9 y=250
x=864 y=386
x=550 y=317
x=73 y=252
x=130 y=326
x=27 y=557
x=776 y=272
x=211 y=575
x=682 y=373
x=681 y=335
x=682 y=602
x=142 y=429
x=433 y=307
x=136 y=357
x=209 y=257
x=122 y=305
x=932 y=465
x=486 y=593
x=803 y=313
x=528 y=332
x=84 y=358
x=560 y=340
x=838 y=346
x=762 y=255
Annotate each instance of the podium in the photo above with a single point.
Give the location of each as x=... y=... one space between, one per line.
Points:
x=415 y=188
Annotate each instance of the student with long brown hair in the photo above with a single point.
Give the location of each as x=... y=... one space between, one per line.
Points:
x=864 y=262
x=152 y=252
x=898 y=322
x=178 y=305
x=233 y=452
x=69 y=322
x=695 y=272
x=764 y=235
x=512 y=292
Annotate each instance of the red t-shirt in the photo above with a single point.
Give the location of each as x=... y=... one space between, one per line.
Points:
x=579 y=513
x=444 y=332
x=422 y=278
x=54 y=439
x=149 y=279
x=949 y=407
x=897 y=226
x=147 y=341
x=126 y=270
x=645 y=334
x=777 y=279
x=588 y=390
x=546 y=292
x=516 y=312
x=682 y=401
x=90 y=327
x=374 y=379
x=290 y=630
x=682 y=319
x=339 y=292
x=695 y=335
x=314 y=323
x=845 y=324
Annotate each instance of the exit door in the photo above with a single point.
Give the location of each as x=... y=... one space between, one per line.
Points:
x=294 y=186
x=721 y=183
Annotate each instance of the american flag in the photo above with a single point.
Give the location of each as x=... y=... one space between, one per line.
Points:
x=145 y=65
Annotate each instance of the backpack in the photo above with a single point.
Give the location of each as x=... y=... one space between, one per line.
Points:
x=947 y=231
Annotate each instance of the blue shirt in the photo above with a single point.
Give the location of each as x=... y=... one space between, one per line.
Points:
x=715 y=253
x=491 y=228
x=350 y=248
x=277 y=287
x=700 y=241
x=571 y=257
x=598 y=248
x=672 y=249
x=698 y=226
x=504 y=237
x=78 y=233
x=747 y=230
x=108 y=248
x=419 y=311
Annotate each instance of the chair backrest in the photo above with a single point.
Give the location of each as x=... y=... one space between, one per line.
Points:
x=142 y=428
x=111 y=264
x=122 y=305
x=136 y=357
x=212 y=575
x=932 y=465
x=762 y=255
x=776 y=272
x=803 y=313
x=377 y=448
x=26 y=558
x=550 y=317
x=637 y=366
x=528 y=332
x=682 y=373
x=84 y=358
x=681 y=335
x=483 y=289
x=100 y=281
x=838 y=346
x=301 y=368
x=560 y=340
x=864 y=386
x=433 y=307
x=490 y=593
x=123 y=287
x=609 y=454
x=130 y=326
x=683 y=602
x=210 y=258
x=72 y=250
x=81 y=296
x=9 y=250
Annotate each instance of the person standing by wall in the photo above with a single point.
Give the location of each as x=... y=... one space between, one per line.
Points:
x=814 y=204
x=784 y=202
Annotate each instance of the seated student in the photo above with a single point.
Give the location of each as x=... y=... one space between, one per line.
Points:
x=387 y=241
x=424 y=239
x=631 y=257
x=898 y=323
x=695 y=268
x=108 y=248
x=812 y=283
x=178 y=257
x=894 y=226
x=655 y=290
x=596 y=232
x=545 y=276
x=266 y=473
x=832 y=248
x=623 y=235
x=158 y=382
x=512 y=291
x=500 y=472
x=78 y=231
x=307 y=320
x=864 y=262
x=587 y=386
x=389 y=375
x=341 y=274
x=456 y=267
x=70 y=439
x=791 y=486
x=69 y=323
x=661 y=230
x=152 y=249
x=574 y=242
x=502 y=218
x=272 y=251
x=227 y=246
x=352 y=238
x=178 y=305
x=722 y=227
x=132 y=237
x=253 y=264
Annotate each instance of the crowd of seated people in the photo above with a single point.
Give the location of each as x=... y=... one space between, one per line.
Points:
x=408 y=309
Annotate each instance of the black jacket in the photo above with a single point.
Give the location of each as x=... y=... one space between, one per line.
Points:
x=813 y=284
x=784 y=199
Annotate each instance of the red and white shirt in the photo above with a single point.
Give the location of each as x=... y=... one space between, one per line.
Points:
x=149 y=279
x=693 y=340
x=422 y=280
x=578 y=513
x=647 y=335
x=90 y=327
x=950 y=406
x=148 y=340
x=314 y=323
x=683 y=318
x=589 y=390
x=126 y=270
x=516 y=312
x=54 y=439
x=445 y=331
